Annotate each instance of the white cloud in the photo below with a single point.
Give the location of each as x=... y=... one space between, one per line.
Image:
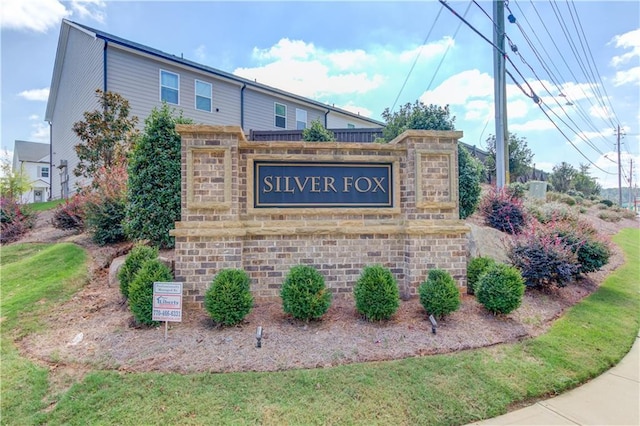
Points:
x=32 y=15
x=547 y=167
x=630 y=40
x=460 y=88
x=34 y=117
x=39 y=132
x=35 y=94
x=92 y=9
x=600 y=112
x=201 y=53
x=42 y=15
x=309 y=70
x=532 y=126
x=356 y=109
x=630 y=76
x=303 y=69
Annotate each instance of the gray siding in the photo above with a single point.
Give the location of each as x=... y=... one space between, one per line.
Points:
x=137 y=78
x=259 y=111
x=81 y=76
x=336 y=120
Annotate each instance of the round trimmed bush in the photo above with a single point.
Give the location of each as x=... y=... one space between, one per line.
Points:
x=228 y=300
x=439 y=294
x=141 y=289
x=138 y=255
x=304 y=294
x=376 y=293
x=477 y=266
x=500 y=289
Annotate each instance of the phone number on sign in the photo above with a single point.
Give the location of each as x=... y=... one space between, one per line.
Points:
x=166 y=313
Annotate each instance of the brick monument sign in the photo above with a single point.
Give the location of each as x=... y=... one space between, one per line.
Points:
x=267 y=206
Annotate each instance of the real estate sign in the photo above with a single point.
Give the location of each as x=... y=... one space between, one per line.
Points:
x=167 y=302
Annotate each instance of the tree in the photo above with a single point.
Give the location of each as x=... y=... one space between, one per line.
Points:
x=417 y=116
x=584 y=183
x=317 y=133
x=562 y=176
x=154 y=179
x=469 y=174
x=13 y=183
x=105 y=133
x=520 y=156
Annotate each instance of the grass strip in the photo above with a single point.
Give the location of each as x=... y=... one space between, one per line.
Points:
x=448 y=389
x=46 y=205
x=34 y=278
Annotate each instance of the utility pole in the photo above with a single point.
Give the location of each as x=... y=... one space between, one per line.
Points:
x=630 y=179
x=500 y=94
x=619 y=170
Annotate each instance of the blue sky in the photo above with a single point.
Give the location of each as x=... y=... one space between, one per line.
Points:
x=584 y=64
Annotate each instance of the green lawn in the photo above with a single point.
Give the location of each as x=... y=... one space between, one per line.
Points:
x=446 y=389
x=46 y=205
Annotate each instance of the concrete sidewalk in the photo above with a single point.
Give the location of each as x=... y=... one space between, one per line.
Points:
x=610 y=399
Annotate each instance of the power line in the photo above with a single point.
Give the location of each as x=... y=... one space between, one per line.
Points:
x=416 y=59
x=533 y=95
x=583 y=115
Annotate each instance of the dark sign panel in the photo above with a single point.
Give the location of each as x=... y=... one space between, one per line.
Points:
x=326 y=184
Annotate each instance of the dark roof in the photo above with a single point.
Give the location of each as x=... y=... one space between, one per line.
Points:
x=158 y=53
x=31 y=151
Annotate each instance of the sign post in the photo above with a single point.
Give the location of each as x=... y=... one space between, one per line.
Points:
x=167 y=303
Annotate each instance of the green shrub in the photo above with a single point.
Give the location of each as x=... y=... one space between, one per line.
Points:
x=376 y=293
x=582 y=239
x=317 y=133
x=229 y=299
x=439 y=294
x=154 y=180
x=304 y=294
x=477 y=266
x=551 y=211
x=609 y=216
x=500 y=289
x=469 y=175
x=141 y=290
x=517 y=190
x=138 y=255
x=606 y=202
x=568 y=200
x=104 y=219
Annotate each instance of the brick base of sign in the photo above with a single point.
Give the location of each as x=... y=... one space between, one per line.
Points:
x=221 y=228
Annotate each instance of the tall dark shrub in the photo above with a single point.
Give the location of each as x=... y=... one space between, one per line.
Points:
x=439 y=294
x=304 y=294
x=469 y=175
x=141 y=289
x=229 y=299
x=154 y=180
x=138 y=255
x=543 y=259
x=376 y=293
x=592 y=252
x=104 y=219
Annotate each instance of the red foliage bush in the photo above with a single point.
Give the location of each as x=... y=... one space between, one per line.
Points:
x=15 y=219
x=503 y=211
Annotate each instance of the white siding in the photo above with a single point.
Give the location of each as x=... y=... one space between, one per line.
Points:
x=81 y=76
x=137 y=78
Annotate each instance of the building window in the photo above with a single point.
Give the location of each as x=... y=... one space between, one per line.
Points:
x=351 y=126
x=169 y=87
x=203 y=96
x=301 y=119
x=281 y=115
x=43 y=171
